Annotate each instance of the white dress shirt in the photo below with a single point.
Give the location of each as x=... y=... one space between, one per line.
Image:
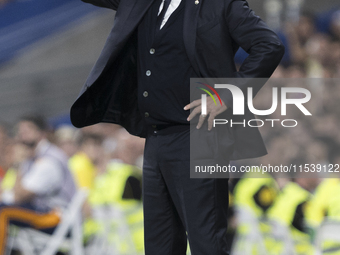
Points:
x=172 y=7
x=45 y=176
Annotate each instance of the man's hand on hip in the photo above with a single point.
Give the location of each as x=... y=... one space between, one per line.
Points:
x=212 y=110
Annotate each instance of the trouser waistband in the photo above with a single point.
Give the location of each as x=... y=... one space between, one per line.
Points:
x=167 y=129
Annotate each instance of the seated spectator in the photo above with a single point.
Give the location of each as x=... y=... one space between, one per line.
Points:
x=43 y=186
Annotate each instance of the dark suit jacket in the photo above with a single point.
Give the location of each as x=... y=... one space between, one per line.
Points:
x=213 y=31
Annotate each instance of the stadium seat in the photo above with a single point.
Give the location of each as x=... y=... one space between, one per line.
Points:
x=67 y=235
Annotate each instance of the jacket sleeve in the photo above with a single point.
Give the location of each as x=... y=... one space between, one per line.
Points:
x=111 y=4
x=263 y=46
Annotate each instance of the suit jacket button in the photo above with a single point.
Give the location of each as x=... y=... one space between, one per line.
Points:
x=152 y=51
x=145 y=94
x=146 y=114
x=148 y=73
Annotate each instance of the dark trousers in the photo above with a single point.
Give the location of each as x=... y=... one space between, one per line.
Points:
x=177 y=207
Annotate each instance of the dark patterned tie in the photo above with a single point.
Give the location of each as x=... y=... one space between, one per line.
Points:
x=162 y=14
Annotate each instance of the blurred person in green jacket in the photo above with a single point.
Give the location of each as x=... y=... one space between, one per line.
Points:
x=256 y=194
x=119 y=188
x=325 y=207
x=290 y=210
x=253 y=197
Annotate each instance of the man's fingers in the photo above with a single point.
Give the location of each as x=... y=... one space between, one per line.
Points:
x=201 y=120
x=212 y=111
x=193 y=104
x=211 y=121
x=196 y=111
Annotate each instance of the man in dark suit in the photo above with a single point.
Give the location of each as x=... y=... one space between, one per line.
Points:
x=141 y=81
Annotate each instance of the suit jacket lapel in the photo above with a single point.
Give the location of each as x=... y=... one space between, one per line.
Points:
x=189 y=30
x=136 y=13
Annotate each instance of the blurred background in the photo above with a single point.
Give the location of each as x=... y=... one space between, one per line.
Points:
x=47 y=49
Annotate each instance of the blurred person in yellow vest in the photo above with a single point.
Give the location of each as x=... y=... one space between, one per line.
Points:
x=321 y=203
x=253 y=195
x=120 y=188
x=325 y=206
x=84 y=164
x=290 y=208
x=256 y=194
